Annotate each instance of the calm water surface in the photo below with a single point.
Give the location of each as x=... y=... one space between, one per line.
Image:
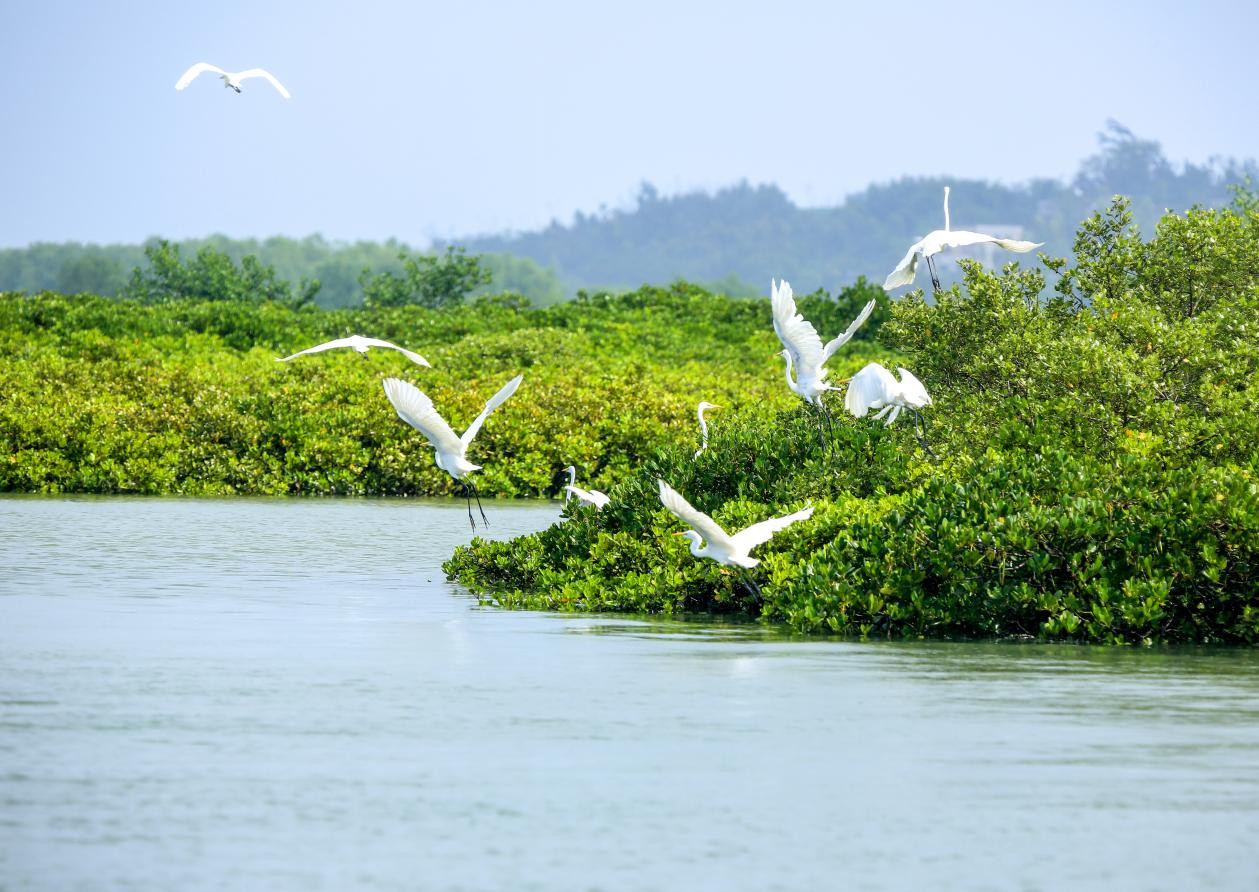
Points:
x=286 y=695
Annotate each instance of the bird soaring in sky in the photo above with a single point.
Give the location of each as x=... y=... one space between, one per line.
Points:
x=230 y=79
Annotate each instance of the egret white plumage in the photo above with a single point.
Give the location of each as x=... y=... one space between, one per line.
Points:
x=230 y=79
x=359 y=344
x=934 y=242
x=874 y=387
x=703 y=426
x=586 y=496
x=722 y=547
x=418 y=410
x=803 y=349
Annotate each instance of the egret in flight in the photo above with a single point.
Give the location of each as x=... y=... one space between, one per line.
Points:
x=934 y=242
x=586 y=496
x=417 y=410
x=230 y=79
x=728 y=550
x=803 y=348
x=359 y=344
x=703 y=427
x=874 y=387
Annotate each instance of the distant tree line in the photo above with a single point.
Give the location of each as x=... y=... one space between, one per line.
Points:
x=733 y=241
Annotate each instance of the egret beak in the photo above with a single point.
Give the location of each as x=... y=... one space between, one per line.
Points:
x=679 y=534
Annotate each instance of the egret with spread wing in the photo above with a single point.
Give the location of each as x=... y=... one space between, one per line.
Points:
x=359 y=344
x=803 y=349
x=417 y=410
x=934 y=242
x=230 y=79
x=585 y=496
x=722 y=547
x=874 y=387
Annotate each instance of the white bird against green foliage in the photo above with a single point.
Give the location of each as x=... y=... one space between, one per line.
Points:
x=361 y=345
x=722 y=547
x=418 y=410
x=586 y=496
x=874 y=387
x=703 y=426
x=803 y=349
x=935 y=242
x=230 y=79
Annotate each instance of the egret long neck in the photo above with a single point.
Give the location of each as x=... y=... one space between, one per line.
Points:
x=946 y=208
x=790 y=381
x=703 y=427
x=572 y=475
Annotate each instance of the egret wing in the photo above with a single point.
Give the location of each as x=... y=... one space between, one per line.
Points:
x=796 y=333
x=760 y=533
x=905 y=271
x=835 y=343
x=871 y=388
x=691 y=516
x=591 y=496
x=409 y=354
x=262 y=72
x=961 y=238
x=912 y=390
x=494 y=402
x=417 y=410
x=319 y=348
x=191 y=74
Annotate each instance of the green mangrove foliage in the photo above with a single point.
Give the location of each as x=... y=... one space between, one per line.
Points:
x=1097 y=481
x=105 y=395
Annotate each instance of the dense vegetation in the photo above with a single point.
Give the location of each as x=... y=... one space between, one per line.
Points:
x=735 y=239
x=1098 y=472
x=185 y=396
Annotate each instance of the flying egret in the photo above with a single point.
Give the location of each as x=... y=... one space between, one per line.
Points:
x=359 y=344
x=934 y=242
x=703 y=426
x=588 y=496
x=230 y=79
x=803 y=349
x=417 y=410
x=726 y=549
x=874 y=387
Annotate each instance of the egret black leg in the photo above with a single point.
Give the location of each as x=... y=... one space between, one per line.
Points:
x=750 y=584
x=920 y=428
x=484 y=519
x=935 y=278
x=467 y=494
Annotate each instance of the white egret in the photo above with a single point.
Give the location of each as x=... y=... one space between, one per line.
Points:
x=587 y=496
x=417 y=410
x=703 y=426
x=803 y=348
x=874 y=387
x=230 y=79
x=934 y=242
x=722 y=547
x=360 y=344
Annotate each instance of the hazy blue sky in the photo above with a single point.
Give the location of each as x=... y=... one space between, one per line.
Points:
x=423 y=119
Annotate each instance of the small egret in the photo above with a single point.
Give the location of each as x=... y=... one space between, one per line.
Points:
x=934 y=242
x=703 y=427
x=803 y=349
x=417 y=410
x=726 y=549
x=874 y=387
x=230 y=79
x=588 y=496
x=359 y=344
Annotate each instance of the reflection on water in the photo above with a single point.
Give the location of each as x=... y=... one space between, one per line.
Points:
x=287 y=695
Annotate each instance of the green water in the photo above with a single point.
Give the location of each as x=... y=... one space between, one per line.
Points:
x=287 y=695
